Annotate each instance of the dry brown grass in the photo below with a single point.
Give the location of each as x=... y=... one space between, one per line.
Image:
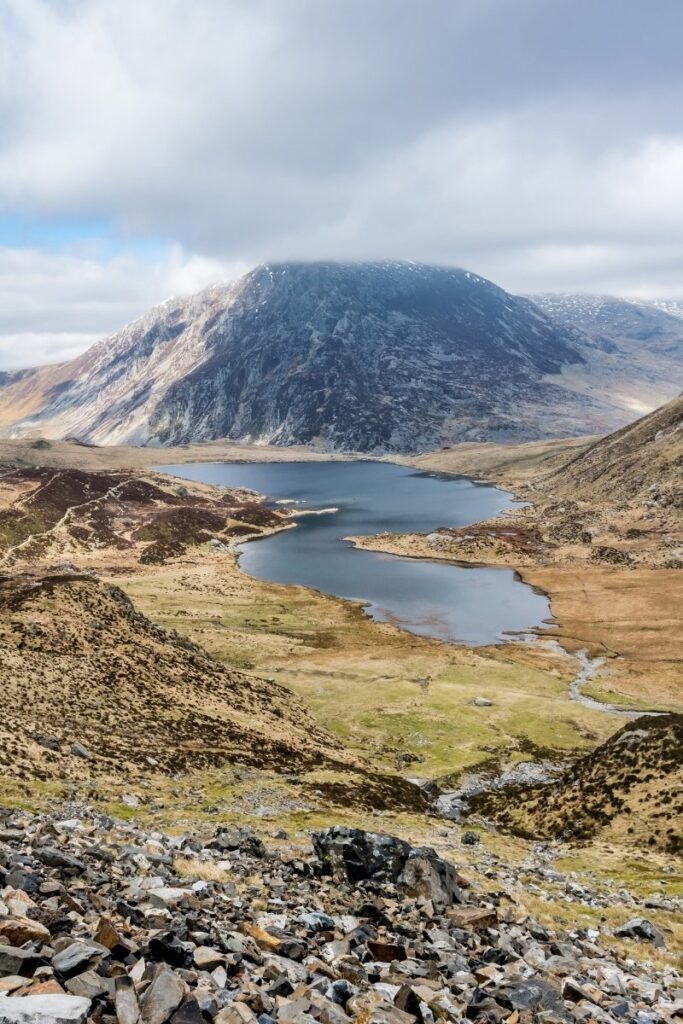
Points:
x=70 y=455
x=507 y=464
x=196 y=869
x=633 y=617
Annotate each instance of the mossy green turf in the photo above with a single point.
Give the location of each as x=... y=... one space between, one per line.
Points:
x=365 y=682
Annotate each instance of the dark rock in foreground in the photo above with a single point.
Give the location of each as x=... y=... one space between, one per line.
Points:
x=369 y=856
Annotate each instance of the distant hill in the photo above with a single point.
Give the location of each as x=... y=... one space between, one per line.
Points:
x=619 y=324
x=632 y=351
x=369 y=357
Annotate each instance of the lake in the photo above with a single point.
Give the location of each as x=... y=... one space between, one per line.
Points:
x=470 y=605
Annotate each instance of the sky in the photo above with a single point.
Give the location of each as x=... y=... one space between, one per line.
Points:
x=149 y=148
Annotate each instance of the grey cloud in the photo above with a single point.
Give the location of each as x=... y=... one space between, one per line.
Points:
x=537 y=141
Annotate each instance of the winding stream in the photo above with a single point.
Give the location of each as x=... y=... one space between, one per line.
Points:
x=589 y=666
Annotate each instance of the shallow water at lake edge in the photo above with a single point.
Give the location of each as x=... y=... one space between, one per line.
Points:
x=472 y=605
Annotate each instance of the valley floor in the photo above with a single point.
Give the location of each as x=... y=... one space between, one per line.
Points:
x=401 y=703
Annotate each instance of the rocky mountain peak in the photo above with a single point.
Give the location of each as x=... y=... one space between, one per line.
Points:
x=369 y=356
x=381 y=356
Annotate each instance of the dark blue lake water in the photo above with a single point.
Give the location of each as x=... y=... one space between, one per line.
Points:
x=459 y=604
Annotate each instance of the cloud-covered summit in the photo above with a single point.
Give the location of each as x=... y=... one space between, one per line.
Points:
x=540 y=143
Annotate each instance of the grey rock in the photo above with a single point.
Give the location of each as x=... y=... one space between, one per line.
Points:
x=207 y=959
x=49 y=742
x=641 y=928
x=55 y=858
x=15 y=961
x=359 y=855
x=45 y=1009
x=90 y=984
x=428 y=875
x=163 y=996
x=126 y=1001
x=470 y=838
x=78 y=750
x=77 y=955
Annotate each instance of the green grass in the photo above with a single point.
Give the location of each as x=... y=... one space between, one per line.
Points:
x=359 y=679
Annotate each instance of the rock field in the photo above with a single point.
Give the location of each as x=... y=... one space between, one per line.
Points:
x=101 y=921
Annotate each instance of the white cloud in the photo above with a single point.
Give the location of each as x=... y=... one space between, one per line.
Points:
x=30 y=348
x=539 y=143
x=53 y=306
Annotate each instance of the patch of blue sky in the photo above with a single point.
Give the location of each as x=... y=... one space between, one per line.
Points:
x=85 y=237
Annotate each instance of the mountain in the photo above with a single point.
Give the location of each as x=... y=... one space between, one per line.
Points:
x=632 y=351
x=628 y=787
x=369 y=357
x=390 y=356
x=619 y=325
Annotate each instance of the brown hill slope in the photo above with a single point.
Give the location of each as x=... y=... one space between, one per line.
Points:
x=79 y=665
x=631 y=787
x=642 y=460
x=47 y=512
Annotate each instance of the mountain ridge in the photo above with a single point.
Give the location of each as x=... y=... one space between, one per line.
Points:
x=374 y=357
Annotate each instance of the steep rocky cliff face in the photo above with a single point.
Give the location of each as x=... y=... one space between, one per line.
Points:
x=382 y=356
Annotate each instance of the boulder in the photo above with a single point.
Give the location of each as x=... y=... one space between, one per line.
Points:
x=78 y=750
x=372 y=856
x=50 y=1009
x=14 y=961
x=163 y=996
x=15 y=931
x=77 y=956
x=641 y=928
x=230 y=838
x=168 y=896
x=427 y=875
x=126 y=1001
x=360 y=855
x=207 y=959
x=55 y=858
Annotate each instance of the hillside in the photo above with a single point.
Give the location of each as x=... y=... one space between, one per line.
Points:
x=642 y=461
x=630 y=787
x=632 y=351
x=366 y=357
x=614 y=500
x=615 y=324
x=81 y=667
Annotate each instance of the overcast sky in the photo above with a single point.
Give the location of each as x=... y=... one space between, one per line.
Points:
x=150 y=147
